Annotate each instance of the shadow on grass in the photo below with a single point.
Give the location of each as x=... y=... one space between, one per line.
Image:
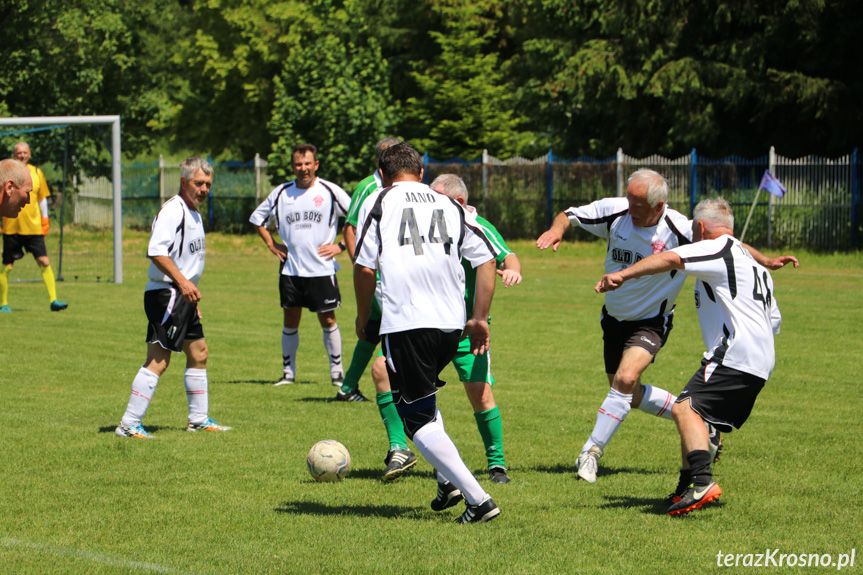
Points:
x=378 y=473
x=652 y=506
x=310 y=508
x=265 y=382
x=570 y=469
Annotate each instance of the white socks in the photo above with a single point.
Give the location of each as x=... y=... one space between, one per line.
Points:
x=608 y=419
x=143 y=388
x=290 y=345
x=333 y=345
x=439 y=450
x=196 y=393
x=657 y=402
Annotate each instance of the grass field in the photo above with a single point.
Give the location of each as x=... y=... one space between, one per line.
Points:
x=74 y=498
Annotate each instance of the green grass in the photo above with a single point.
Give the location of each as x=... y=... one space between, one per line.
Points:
x=74 y=498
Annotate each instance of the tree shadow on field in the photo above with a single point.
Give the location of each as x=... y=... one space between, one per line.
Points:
x=311 y=508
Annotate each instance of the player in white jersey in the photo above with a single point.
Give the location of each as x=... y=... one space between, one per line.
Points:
x=738 y=315
x=306 y=213
x=176 y=253
x=637 y=319
x=416 y=239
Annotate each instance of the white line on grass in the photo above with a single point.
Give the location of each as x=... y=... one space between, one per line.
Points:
x=95 y=557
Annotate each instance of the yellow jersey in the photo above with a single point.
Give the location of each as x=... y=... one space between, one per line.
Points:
x=29 y=221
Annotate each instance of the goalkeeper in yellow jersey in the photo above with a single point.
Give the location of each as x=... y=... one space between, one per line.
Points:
x=27 y=232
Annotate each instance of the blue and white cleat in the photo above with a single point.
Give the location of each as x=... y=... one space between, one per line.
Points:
x=209 y=425
x=136 y=430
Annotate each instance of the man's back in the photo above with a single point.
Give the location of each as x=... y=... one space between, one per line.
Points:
x=416 y=237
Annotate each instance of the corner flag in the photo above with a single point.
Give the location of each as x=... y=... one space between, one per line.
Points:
x=771 y=184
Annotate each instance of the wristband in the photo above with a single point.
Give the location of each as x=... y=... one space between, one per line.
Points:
x=342 y=246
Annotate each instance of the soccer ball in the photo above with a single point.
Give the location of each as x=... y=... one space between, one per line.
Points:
x=328 y=461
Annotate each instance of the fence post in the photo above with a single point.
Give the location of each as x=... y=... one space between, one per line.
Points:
x=549 y=190
x=484 y=175
x=257 y=177
x=620 y=193
x=771 y=165
x=693 y=182
x=161 y=177
x=855 y=198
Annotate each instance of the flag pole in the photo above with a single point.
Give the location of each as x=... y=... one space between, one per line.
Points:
x=752 y=209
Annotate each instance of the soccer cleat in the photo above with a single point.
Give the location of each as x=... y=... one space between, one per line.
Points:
x=136 y=430
x=498 y=474
x=354 y=395
x=714 y=442
x=5 y=309
x=58 y=305
x=682 y=485
x=398 y=461
x=587 y=464
x=485 y=511
x=286 y=380
x=209 y=425
x=695 y=497
x=447 y=496
x=337 y=380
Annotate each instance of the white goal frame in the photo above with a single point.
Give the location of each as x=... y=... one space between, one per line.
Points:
x=116 y=169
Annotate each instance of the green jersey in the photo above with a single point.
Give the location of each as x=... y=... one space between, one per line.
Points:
x=500 y=247
x=358 y=196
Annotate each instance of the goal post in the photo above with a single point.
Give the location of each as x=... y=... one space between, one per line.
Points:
x=116 y=169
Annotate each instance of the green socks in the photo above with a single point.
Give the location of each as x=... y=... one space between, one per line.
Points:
x=392 y=421
x=491 y=430
x=362 y=355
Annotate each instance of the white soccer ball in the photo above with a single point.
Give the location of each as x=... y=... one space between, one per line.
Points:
x=328 y=461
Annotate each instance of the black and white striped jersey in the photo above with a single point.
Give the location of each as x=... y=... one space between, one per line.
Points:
x=306 y=219
x=178 y=233
x=647 y=296
x=736 y=305
x=416 y=238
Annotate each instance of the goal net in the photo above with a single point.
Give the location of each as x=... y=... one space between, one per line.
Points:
x=80 y=157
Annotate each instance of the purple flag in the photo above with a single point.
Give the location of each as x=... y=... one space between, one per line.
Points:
x=771 y=184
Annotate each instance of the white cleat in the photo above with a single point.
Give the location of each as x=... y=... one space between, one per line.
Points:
x=587 y=464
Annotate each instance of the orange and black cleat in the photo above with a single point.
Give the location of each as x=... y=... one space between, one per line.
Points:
x=695 y=498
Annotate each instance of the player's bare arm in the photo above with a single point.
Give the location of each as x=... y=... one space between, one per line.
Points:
x=279 y=250
x=188 y=290
x=477 y=326
x=554 y=235
x=771 y=263
x=510 y=271
x=651 y=265
x=365 y=281
x=350 y=238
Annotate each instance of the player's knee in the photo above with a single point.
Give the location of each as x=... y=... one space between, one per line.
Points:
x=625 y=381
x=379 y=375
x=415 y=421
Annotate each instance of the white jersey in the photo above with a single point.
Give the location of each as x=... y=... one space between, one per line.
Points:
x=306 y=219
x=416 y=238
x=178 y=233
x=647 y=296
x=736 y=306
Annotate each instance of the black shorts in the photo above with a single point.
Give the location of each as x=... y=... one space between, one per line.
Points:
x=15 y=244
x=415 y=358
x=172 y=319
x=317 y=294
x=724 y=397
x=372 y=331
x=650 y=334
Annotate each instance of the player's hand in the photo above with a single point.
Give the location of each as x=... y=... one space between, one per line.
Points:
x=781 y=262
x=329 y=251
x=551 y=238
x=479 y=335
x=361 y=327
x=509 y=277
x=280 y=251
x=189 y=291
x=609 y=282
